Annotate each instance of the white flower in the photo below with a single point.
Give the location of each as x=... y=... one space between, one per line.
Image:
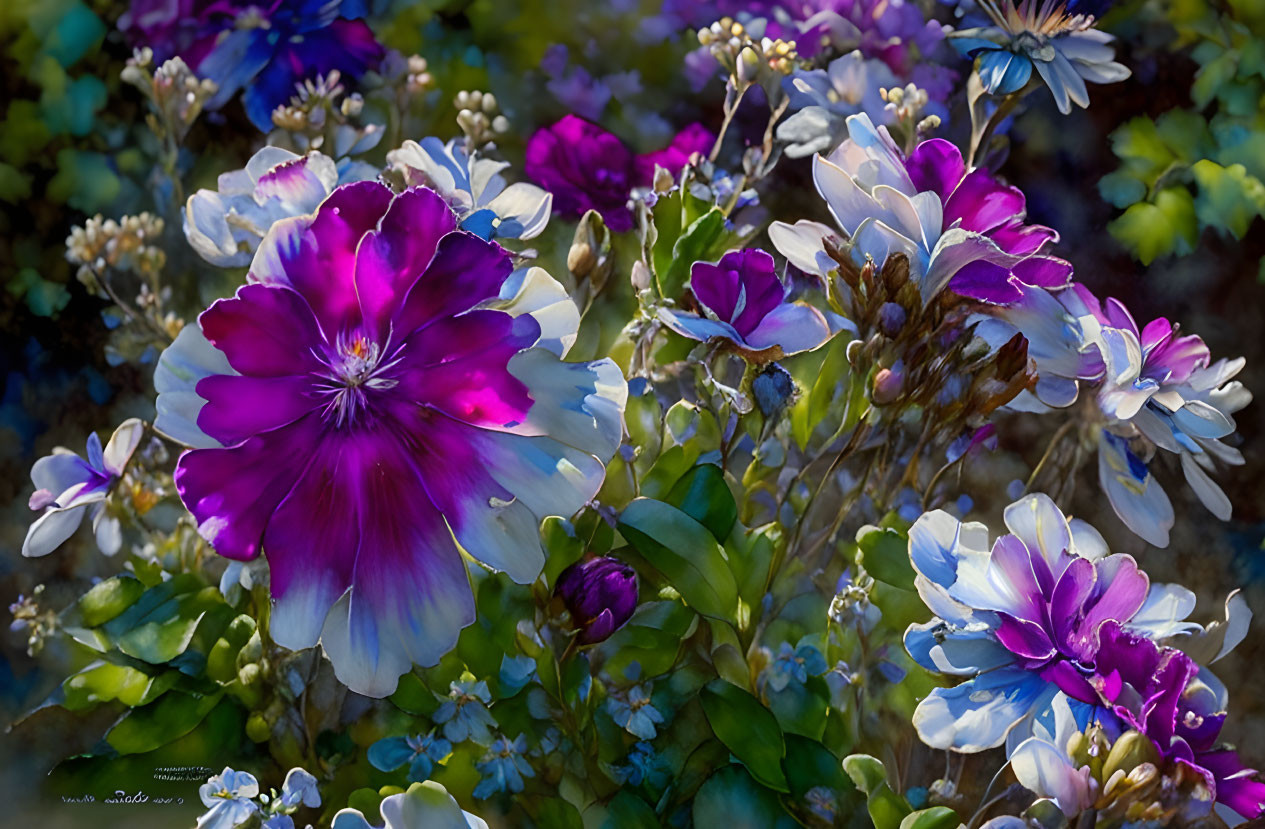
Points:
x=228 y=798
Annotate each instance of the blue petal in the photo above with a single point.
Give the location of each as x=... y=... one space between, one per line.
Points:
x=979 y=713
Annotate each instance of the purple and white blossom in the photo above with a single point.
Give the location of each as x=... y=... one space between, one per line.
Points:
x=960 y=228
x=367 y=402
x=1020 y=621
x=225 y=226
x=743 y=302
x=69 y=488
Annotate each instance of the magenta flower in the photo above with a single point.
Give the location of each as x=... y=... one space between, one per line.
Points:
x=587 y=168
x=1156 y=690
x=601 y=595
x=695 y=138
x=384 y=389
x=743 y=301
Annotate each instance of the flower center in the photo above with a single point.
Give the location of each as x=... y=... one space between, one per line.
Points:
x=354 y=369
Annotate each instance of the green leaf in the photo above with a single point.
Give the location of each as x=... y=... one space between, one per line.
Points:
x=809 y=764
x=108 y=599
x=802 y=709
x=884 y=553
x=937 y=817
x=104 y=681
x=1153 y=230
x=685 y=553
x=747 y=729
x=730 y=799
x=867 y=772
x=164 y=633
x=1228 y=197
x=827 y=383
x=1120 y=189
x=703 y=495
x=700 y=241
x=172 y=716
x=1212 y=75
x=627 y=811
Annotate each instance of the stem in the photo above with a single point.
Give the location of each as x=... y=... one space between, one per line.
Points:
x=731 y=109
x=135 y=315
x=980 y=142
x=1049 y=452
x=986 y=803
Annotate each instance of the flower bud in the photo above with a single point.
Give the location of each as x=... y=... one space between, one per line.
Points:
x=887 y=384
x=1127 y=753
x=601 y=594
x=748 y=65
x=891 y=318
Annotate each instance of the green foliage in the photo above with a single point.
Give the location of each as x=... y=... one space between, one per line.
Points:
x=1191 y=170
x=747 y=729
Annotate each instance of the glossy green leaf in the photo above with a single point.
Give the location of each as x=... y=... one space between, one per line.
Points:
x=685 y=553
x=173 y=715
x=884 y=553
x=731 y=799
x=105 y=681
x=627 y=811
x=701 y=241
x=747 y=729
x=703 y=495
x=1156 y=229
x=937 y=817
x=867 y=772
x=108 y=599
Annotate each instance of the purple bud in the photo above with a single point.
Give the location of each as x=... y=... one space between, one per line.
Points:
x=888 y=382
x=601 y=593
x=891 y=318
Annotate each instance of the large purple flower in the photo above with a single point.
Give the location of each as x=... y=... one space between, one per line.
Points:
x=1156 y=690
x=961 y=229
x=269 y=46
x=384 y=393
x=1022 y=620
x=587 y=168
x=743 y=301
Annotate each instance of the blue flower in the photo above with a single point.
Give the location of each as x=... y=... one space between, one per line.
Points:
x=300 y=788
x=503 y=768
x=464 y=714
x=268 y=51
x=419 y=752
x=68 y=488
x=634 y=713
x=796 y=664
x=1060 y=45
x=643 y=764
x=228 y=798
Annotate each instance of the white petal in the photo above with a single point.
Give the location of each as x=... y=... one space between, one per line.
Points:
x=1040 y=525
x=524 y=210
x=1135 y=495
x=593 y=422
x=533 y=291
x=182 y=364
x=802 y=245
x=107 y=530
x=1047 y=772
x=51 y=530
x=1212 y=496
x=122 y=444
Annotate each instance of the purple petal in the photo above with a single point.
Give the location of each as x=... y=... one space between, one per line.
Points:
x=392 y=258
x=232 y=492
x=264 y=330
x=465 y=272
x=460 y=366
x=1010 y=568
x=795 y=327
x=1024 y=638
x=238 y=406
x=1068 y=601
x=1044 y=272
x=1120 y=589
x=1071 y=681
x=1020 y=239
x=317 y=258
x=743 y=278
x=986 y=282
x=982 y=204
x=936 y=165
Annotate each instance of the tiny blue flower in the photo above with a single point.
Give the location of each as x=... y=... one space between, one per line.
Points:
x=464 y=715
x=503 y=768
x=228 y=798
x=634 y=714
